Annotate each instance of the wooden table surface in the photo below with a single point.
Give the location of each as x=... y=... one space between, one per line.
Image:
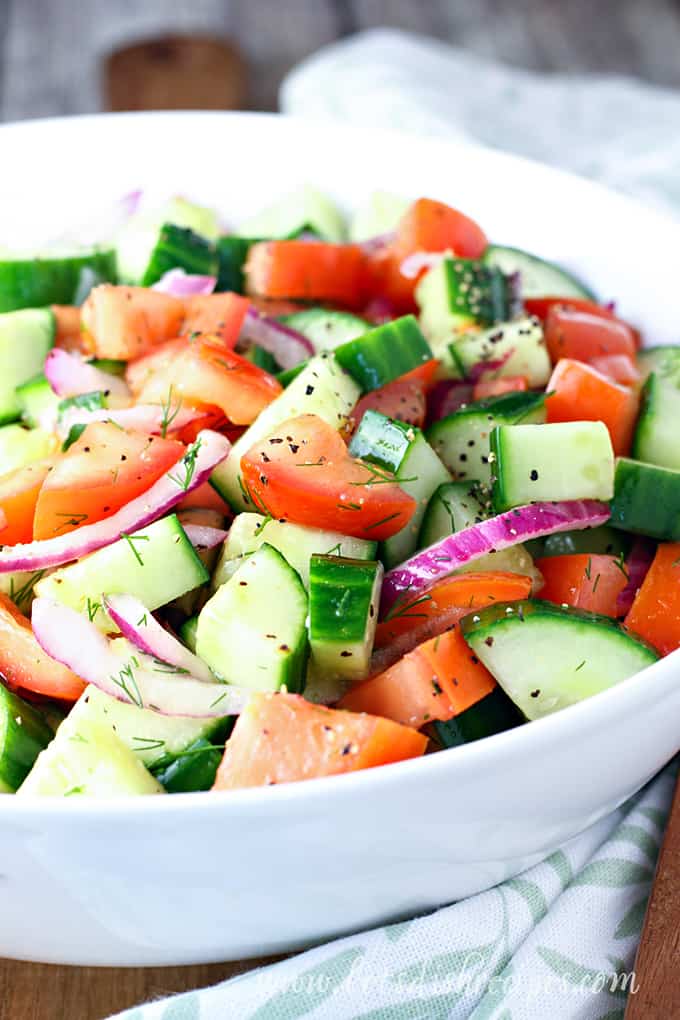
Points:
x=51 y=54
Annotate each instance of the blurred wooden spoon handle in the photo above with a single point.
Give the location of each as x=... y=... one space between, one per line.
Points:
x=176 y=72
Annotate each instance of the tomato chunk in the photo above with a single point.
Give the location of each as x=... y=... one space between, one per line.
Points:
x=582 y=336
x=587 y=581
x=69 y=335
x=101 y=472
x=19 y=491
x=497 y=387
x=281 y=738
x=540 y=307
x=655 y=613
x=437 y=680
x=125 y=322
x=219 y=314
x=403 y=399
x=303 y=473
x=205 y=371
x=619 y=367
x=24 y=665
x=579 y=392
x=307 y=271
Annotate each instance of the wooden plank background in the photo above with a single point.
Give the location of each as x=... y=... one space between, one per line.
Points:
x=50 y=64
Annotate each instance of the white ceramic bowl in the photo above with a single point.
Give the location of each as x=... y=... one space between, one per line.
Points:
x=195 y=878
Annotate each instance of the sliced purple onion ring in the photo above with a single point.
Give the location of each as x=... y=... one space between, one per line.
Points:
x=285 y=344
x=638 y=562
x=194 y=468
x=501 y=532
x=139 y=625
x=202 y=536
x=181 y=285
x=69 y=376
x=70 y=638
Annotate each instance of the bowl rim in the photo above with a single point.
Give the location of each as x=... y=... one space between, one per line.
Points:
x=542 y=734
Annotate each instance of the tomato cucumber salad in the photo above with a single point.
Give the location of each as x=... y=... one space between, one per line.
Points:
x=316 y=496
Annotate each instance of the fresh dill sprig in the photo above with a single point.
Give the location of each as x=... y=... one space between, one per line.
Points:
x=131 y=539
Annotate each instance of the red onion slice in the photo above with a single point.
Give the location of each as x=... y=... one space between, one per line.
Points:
x=202 y=536
x=287 y=345
x=138 y=625
x=419 y=260
x=501 y=532
x=71 y=639
x=194 y=468
x=638 y=562
x=148 y=418
x=69 y=376
x=181 y=284
x=447 y=396
x=480 y=368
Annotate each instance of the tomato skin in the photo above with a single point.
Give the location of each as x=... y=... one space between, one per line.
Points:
x=125 y=322
x=221 y=315
x=307 y=271
x=19 y=491
x=25 y=666
x=429 y=225
x=302 y=472
x=655 y=613
x=204 y=371
x=281 y=738
x=497 y=387
x=578 y=392
x=69 y=336
x=582 y=336
x=588 y=581
x=102 y=471
x=540 y=307
x=403 y=399
x=619 y=367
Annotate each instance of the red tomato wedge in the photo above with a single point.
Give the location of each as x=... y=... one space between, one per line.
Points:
x=303 y=473
x=655 y=613
x=205 y=498
x=579 y=392
x=69 y=335
x=281 y=738
x=619 y=367
x=219 y=314
x=437 y=680
x=125 y=322
x=274 y=307
x=467 y=591
x=540 y=307
x=587 y=581
x=403 y=399
x=497 y=387
x=19 y=491
x=24 y=665
x=204 y=371
x=101 y=472
x=307 y=271
x=582 y=336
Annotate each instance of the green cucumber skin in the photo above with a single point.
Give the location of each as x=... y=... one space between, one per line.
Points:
x=383 y=354
x=232 y=252
x=263 y=359
x=540 y=278
x=187 y=633
x=655 y=439
x=192 y=772
x=340 y=599
x=382 y=440
x=32 y=283
x=477 y=293
x=453 y=506
x=493 y=714
x=36 y=399
x=23 y=735
x=646 y=500
x=180 y=248
x=26 y=337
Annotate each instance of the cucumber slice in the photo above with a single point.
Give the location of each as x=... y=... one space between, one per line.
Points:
x=656 y=435
x=25 y=339
x=252 y=631
x=37 y=401
x=327 y=329
x=646 y=500
x=20 y=446
x=494 y=713
x=187 y=632
x=380 y=215
x=384 y=353
x=321 y=388
x=516 y=348
x=153 y=738
x=263 y=359
x=193 y=771
x=87 y=757
x=138 y=237
x=23 y=735
x=453 y=506
x=180 y=248
x=402 y=450
x=232 y=252
x=547 y=657
x=296 y=543
x=538 y=277
x=60 y=279
x=461 y=440
x=538 y=463
x=602 y=540
x=344 y=596
x=304 y=208
x=156 y=564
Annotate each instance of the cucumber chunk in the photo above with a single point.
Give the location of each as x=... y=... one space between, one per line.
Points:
x=23 y=735
x=321 y=388
x=538 y=277
x=193 y=771
x=20 y=446
x=494 y=713
x=547 y=657
x=384 y=353
x=461 y=440
x=155 y=564
x=344 y=596
x=646 y=500
x=38 y=402
x=537 y=463
x=25 y=339
x=304 y=208
x=180 y=248
x=232 y=252
x=380 y=215
x=252 y=631
x=511 y=348
x=602 y=540
x=296 y=543
x=187 y=632
x=453 y=506
x=87 y=758
x=60 y=279
x=136 y=240
x=326 y=329
x=402 y=450
x=656 y=435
